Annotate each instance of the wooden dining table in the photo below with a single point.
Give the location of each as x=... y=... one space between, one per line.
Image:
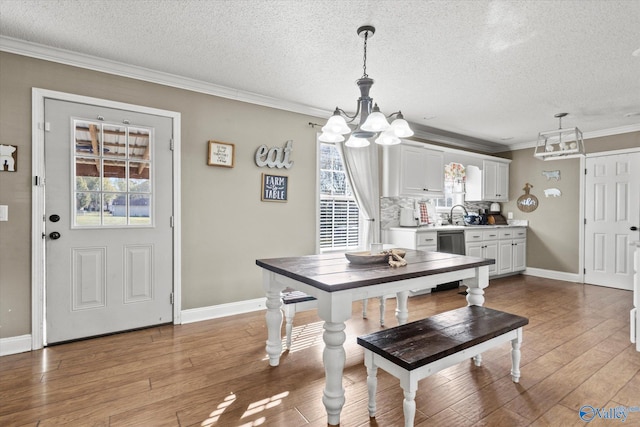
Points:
x=336 y=283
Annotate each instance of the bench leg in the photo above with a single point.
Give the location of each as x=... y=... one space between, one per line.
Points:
x=515 y=357
x=372 y=382
x=365 y=304
x=383 y=305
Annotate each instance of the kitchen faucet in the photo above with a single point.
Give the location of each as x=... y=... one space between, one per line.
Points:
x=451 y=213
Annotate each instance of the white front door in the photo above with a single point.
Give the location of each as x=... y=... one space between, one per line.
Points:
x=108 y=212
x=612 y=214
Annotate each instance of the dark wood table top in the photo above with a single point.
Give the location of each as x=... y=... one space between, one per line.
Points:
x=333 y=272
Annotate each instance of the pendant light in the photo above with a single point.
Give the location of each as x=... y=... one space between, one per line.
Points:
x=372 y=123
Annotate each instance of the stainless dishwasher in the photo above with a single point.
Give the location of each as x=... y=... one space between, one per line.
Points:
x=451 y=242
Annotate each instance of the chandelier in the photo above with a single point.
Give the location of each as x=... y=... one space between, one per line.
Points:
x=560 y=143
x=372 y=122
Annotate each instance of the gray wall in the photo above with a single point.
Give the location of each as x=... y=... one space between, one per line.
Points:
x=225 y=225
x=553 y=234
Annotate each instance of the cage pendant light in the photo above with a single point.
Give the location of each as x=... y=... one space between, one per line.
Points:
x=559 y=143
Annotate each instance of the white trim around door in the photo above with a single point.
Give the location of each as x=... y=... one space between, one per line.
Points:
x=38 y=97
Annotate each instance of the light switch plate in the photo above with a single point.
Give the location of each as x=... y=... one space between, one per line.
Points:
x=4 y=213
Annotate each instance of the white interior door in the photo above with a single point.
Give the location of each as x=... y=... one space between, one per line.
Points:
x=612 y=213
x=108 y=213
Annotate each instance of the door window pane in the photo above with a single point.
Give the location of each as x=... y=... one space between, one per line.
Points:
x=113 y=170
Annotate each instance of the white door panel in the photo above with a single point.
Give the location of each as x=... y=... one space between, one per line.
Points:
x=612 y=210
x=111 y=268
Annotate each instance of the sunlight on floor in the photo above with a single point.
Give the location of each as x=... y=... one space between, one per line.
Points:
x=252 y=409
x=263 y=404
x=303 y=337
x=213 y=417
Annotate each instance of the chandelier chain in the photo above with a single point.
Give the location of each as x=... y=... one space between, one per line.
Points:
x=364 y=59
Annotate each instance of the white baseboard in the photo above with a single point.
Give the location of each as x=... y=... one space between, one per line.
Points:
x=13 y=345
x=222 y=310
x=552 y=274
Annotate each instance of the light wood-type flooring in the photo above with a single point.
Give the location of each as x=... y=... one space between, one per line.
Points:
x=576 y=352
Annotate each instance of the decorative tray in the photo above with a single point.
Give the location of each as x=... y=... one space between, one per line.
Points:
x=366 y=257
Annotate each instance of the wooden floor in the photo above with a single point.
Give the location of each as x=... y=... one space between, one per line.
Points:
x=576 y=352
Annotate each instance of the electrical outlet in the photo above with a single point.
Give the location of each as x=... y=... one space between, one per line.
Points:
x=4 y=213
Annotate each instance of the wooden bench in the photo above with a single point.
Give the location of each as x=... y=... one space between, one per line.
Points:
x=294 y=301
x=416 y=350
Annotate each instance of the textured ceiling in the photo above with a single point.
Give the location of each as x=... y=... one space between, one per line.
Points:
x=495 y=71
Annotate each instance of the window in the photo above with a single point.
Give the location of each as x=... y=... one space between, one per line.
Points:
x=454 y=181
x=339 y=213
x=112 y=175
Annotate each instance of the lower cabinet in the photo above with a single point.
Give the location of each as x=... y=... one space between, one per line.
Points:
x=412 y=238
x=507 y=246
x=484 y=249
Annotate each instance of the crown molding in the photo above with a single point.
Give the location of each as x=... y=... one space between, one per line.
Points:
x=586 y=135
x=61 y=56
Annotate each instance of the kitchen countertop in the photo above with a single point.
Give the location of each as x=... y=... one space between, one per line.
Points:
x=431 y=227
x=452 y=227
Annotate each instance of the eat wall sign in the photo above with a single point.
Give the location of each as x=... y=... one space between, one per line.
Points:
x=275 y=157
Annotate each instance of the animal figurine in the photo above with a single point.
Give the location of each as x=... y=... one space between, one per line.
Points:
x=552 y=174
x=553 y=192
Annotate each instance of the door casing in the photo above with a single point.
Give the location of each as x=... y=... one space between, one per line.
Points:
x=38 y=284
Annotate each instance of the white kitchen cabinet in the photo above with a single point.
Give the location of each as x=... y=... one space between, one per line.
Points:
x=496 y=181
x=412 y=171
x=483 y=243
x=512 y=250
x=507 y=245
x=412 y=238
x=519 y=254
x=490 y=184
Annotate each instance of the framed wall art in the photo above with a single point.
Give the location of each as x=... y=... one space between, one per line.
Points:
x=274 y=188
x=221 y=154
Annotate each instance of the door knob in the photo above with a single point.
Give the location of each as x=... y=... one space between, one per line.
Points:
x=54 y=235
x=633 y=228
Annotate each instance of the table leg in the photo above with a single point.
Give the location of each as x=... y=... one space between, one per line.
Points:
x=274 y=322
x=475 y=293
x=334 y=359
x=402 y=312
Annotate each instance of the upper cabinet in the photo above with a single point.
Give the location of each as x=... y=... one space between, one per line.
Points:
x=491 y=184
x=412 y=171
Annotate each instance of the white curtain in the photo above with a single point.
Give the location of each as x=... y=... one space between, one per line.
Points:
x=361 y=166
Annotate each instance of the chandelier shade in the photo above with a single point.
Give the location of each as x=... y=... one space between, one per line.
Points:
x=356 y=142
x=372 y=123
x=388 y=138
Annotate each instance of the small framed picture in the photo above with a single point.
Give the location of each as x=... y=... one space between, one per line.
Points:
x=274 y=188
x=221 y=154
